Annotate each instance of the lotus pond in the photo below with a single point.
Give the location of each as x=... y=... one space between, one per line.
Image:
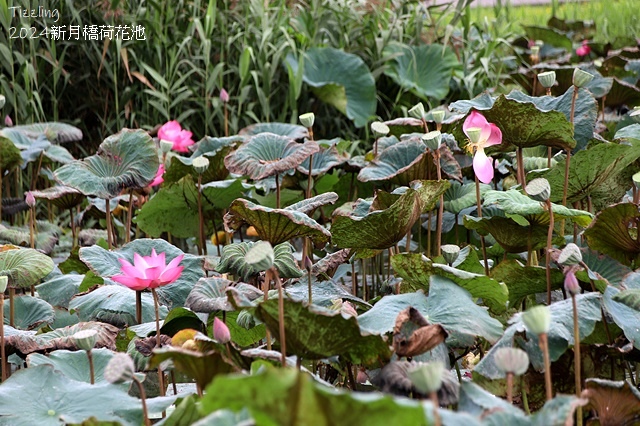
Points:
x=448 y=260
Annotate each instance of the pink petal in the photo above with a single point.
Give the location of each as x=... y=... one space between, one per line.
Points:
x=158 y=179
x=139 y=261
x=153 y=273
x=170 y=275
x=132 y=271
x=483 y=166
x=495 y=136
x=175 y=262
x=169 y=131
x=124 y=262
x=132 y=283
x=475 y=119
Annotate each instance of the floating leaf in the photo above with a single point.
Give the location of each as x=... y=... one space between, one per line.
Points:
x=210 y=294
x=292 y=131
x=128 y=159
x=401 y=163
x=24 y=267
x=609 y=233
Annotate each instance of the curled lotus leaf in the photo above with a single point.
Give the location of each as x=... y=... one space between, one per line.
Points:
x=400 y=163
x=45 y=239
x=511 y=235
x=128 y=159
x=404 y=125
x=54 y=132
x=268 y=154
x=616 y=403
x=458 y=197
x=233 y=261
x=325 y=159
x=24 y=267
x=9 y=153
x=210 y=294
x=310 y=204
x=31 y=313
x=622 y=93
x=64 y=197
x=630 y=297
x=292 y=131
x=610 y=233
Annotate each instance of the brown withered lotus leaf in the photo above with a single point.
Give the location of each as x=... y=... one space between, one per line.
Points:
x=330 y=262
x=413 y=335
x=148 y=344
x=616 y=403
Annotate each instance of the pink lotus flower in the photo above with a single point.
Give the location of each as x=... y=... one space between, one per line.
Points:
x=158 y=179
x=172 y=132
x=7 y=121
x=583 y=50
x=490 y=134
x=571 y=283
x=220 y=331
x=148 y=271
x=30 y=199
x=224 y=96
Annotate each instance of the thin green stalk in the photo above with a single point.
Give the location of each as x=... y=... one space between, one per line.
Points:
x=576 y=357
x=548 y=251
x=436 y=155
x=143 y=397
x=203 y=245
x=156 y=305
x=3 y=357
x=484 y=246
x=283 y=342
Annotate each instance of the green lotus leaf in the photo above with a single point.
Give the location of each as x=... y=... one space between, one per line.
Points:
x=382 y=229
x=523 y=281
x=274 y=225
x=59 y=154
x=626 y=317
x=292 y=131
x=630 y=297
x=425 y=70
x=233 y=261
x=401 y=163
x=61 y=196
x=622 y=93
x=610 y=234
x=128 y=159
x=45 y=238
x=24 y=267
x=628 y=132
x=324 y=160
x=560 y=333
x=323 y=293
x=579 y=29
x=558 y=411
x=458 y=197
x=615 y=402
x=608 y=270
x=213 y=149
x=474 y=399
x=268 y=154
x=104 y=263
x=174 y=208
x=448 y=305
x=340 y=79
x=548 y=35
x=415 y=270
x=315 y=333
x=31 y=313
x=22 y=403
x=310 y=204
x=10 y=157
x=210 y=294
x=403 y=125
x=58 y=291
x=54 y=132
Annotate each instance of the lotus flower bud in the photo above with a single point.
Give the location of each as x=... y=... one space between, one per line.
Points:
x=119 y=369
x=307 y=119
x=30 y=199
x=201 y=164
x=571 y=284
x=165 y=146
x=539 y=189
x=474 y=134
x=570 y=255
x=547 y=79
x=417 y=111
x=224 y=96
x=537 y=319
x=379 y=129
x=581 y=78
x=2 y=100
x=427 y=377
x=220 y=331
x=7 y=121
x=433 y=140
x=438 y=116
x=450 y=253
x=85 y=339
x=261 y=256
x=511 y=360
x=4 y=281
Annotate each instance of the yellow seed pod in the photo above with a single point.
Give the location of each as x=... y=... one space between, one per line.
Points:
x=182 y=336
x=251 y=232
x=219 y=237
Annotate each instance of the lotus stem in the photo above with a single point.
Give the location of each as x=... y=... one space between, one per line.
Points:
x=143 y=397
x=203 y=245
x=310 y=179
x=2 y=350
x=74 y=237
x=436 y=416
x=12 y=308
x=139 y=306
x=484 y=246
x=283 y=343
x=436 y=156
x=277 y=191
x=567 y=163
x=34 y=178
x=265 y=291
x=548 y=251
x=510 y=388
x=32 y=227
x=525 y=398
x=91 y=370
x=156 y=305
x=310 y=292
x=109 y=233
x=544 y=347
x=549 y=152
x=1 y=172
x=522 y=177
x=127 y=232
x=226 y=119
x=576 y=356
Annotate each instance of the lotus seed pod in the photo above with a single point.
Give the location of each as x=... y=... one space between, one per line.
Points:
x=307 y=119
x=571 y=284
x=539 y=189
x=165 y=146
x=417 y=111
x=581 y=78
x=261 y=256
x=547 y=79
x=427 y=376
x=535 y=50
x=450 y=253
x=379 y=129
x=2 y=101
x=119 y=369
x=220 y=331
x=570 y=255
x=537 y=319
x=201 y=164
x=438 y=116
x=4 y=281
x=433 y=140
x=511 y=360
x=474 y=134
x=30 y=199
x=85 y=339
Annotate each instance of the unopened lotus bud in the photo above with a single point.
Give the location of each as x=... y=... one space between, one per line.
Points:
x=220 y=331
x=7 y=121
x=570 y=255
x=511 y=360
x=581 y=78
x=379 y=129
x=2 y=101
x=539 y=189
x=165 y=146
x=307 y=119
x=4 y=281
x=261 y=256
x=450 y=253
x=201 y=164
x=547 y=79
x=427 y=377
x=433 y=140
x=30 y=199
x=119 y=369
x=85 y=339
x=224 y=96
x=474 y=134
x=417 y=111
x=438 y=116
x=571 y=284
x=537 y=319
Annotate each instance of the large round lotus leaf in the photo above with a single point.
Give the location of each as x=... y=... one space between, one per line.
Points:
x=9 y=154
x=174 y=208
x=622 y=93
x=24 y=267
x=276 y=225
x=382 y=229
x=425 y=70
x=458 y=197
x=401 y=163
x=23 y=402
x=616 y=403
x=128 y=159
x=523 y=281
x=31 y=313
x=628 y=132
x=53 y=131
x=292 y=131
x=105 y=263
x=610 y=234
x=315 y=333
x=512 y=236
x=233 y=261
x=340 y=79
x=74 y=364
x=324 y=293
x=61 y=196
x=268 y=154
x=626 y=317
x=403 y=125
x=45 y=239
x=325 y=159
x=210 y=294
x=58 y=291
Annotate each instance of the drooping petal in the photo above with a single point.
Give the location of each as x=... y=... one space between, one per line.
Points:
x=483 y=166
x=495 y=136
x=131 y=282
x=475 y=119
